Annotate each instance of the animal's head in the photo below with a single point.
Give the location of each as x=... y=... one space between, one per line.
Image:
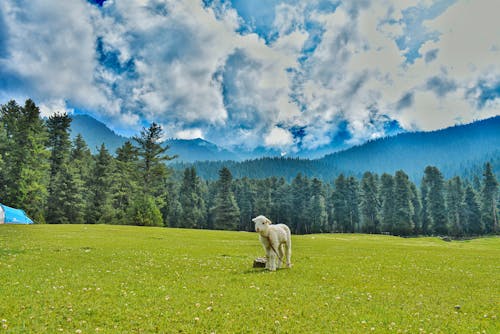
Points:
x=261 y=223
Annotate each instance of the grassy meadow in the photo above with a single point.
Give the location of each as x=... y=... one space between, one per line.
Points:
x=120 y=279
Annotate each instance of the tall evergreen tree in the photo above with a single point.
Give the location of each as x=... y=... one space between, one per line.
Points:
x=455 y=206
x=100 y=210
x=245 y=194
x=435 y=202
x=403 y=208
x=369 y=204
x=300 y=199
x=317 y=214
x=417 y=209
x=489 y=200
x=472 y=213
x=281 y=202
x=125 y=183
x=191 y=200
x=153 y=157
x=387 y=213
x=63 y=198
x=353 y=204
x=80 y=166
x=340 y=206
x=226 y=212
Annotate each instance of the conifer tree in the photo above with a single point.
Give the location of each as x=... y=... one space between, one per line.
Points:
x=353 y=204
x=245 y=198
x=369 y=204
x=489 y=200
x=63 y=199
x=125 y=183
x=403 y=208
x=387 y=213
x=191 y=200
x=226 y=213
x=435 y=202
x=80 y=167
x=472 y=214
x=340 y=205
x=318 y=218
x=455 y=206
x=152 y=159
x=99 y=210
x=300 y=199
x=417 y=209
x=282 y=198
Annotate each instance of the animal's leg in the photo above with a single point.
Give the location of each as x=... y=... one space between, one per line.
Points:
x=268 y=258
x=272 y=260
x=281 y=254
x=289 y=254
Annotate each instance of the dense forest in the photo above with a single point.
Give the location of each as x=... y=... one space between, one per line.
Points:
x=57 y=180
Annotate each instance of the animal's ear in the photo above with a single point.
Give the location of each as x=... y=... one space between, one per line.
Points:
x=253 y=219
x=268 y=222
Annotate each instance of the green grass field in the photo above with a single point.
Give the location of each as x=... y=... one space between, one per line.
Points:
x=115 y=279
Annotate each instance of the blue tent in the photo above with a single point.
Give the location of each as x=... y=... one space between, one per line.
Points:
x=10 y=215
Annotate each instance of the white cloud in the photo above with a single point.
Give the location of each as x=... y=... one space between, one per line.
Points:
x=49 y=108
x=189 y=134
x=278 y=137
x=188 y=67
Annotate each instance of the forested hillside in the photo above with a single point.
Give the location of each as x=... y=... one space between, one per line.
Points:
x=460 y=150
x=57 y=180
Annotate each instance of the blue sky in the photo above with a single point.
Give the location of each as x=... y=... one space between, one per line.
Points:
x=289 y=75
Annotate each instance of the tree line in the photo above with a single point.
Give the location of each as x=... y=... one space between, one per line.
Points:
x=59 y=181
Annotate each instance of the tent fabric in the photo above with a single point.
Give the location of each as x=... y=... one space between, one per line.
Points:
x=10 y=215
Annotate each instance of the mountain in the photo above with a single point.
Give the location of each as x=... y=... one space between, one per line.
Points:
x=95 y=133
x=459 y=150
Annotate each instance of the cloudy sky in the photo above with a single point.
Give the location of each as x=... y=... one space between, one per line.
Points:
x=286 y=74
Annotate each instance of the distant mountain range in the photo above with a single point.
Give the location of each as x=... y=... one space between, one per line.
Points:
x=458 y=150
x=96 y=133
x=188 y=150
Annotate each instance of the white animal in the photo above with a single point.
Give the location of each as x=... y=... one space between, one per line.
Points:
x=273 y=238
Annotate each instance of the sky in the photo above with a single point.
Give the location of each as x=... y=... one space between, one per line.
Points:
x=289 y=75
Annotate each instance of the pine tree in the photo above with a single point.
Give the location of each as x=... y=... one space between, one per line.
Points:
x=226 y=213
x=125 y=183
x=387 y=213
x=353 y=204
x=340 y=205
x=317 y=215
x=245 y=197
x=63 y=199
x=403 y=208
x=280 y=201
x=455 y=206
x=80 y=167
x=153 y=157
x=489 y=200
x=99 y=210
x=472 y=213
x=369 y=204
x=417 y=209
x=434 y=200
x=191 y=200
x=300 y=200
